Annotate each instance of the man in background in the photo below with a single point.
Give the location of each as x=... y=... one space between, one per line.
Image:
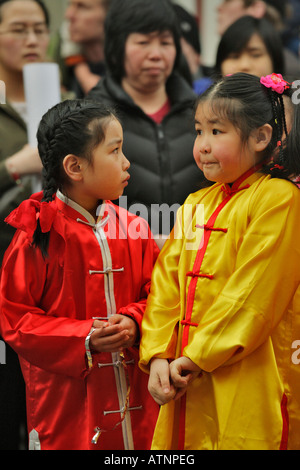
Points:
x=78 y=48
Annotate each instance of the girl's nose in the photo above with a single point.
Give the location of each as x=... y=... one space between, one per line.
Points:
x=125 y=163
x=205 y=147
x=243 y=64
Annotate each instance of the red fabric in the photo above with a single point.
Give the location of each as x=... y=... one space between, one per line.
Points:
x=47 y=307
x=25 y=217
x=161 y=113
x=285 y=423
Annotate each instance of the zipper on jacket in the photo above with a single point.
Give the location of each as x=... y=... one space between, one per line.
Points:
x=165 y=176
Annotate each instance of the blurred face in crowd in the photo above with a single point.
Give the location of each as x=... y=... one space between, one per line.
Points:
x=149 y=60
x=229 y=11
x=86 y=20
x=24 y=35
x=254 y=59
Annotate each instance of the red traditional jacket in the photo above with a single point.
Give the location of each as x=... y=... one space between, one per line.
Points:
x=47 y=310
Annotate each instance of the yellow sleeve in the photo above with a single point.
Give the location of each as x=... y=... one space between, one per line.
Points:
x=161 y=318
x=260 y=289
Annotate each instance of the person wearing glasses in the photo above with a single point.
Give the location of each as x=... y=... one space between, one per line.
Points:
x=24 y=38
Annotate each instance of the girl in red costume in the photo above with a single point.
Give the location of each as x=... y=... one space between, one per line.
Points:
x=74 y=285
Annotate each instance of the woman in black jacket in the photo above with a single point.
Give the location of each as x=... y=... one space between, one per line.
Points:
x=155 y=105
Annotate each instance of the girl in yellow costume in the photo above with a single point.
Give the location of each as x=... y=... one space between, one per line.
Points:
x=223 y=317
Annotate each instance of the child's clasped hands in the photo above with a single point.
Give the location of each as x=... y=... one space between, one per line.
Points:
x=113 y=335
x=169 y=380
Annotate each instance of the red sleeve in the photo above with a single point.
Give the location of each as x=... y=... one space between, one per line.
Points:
x=55 y=344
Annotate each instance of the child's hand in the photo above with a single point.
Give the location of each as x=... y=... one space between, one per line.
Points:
x=159 y=381
x=107 y=338
x=114 y=335
x=183 y=371
x=128 y=325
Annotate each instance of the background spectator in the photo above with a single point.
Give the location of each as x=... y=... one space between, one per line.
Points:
x=273 y=10
x=142 y=53
x=78 y=48
x=250 y=45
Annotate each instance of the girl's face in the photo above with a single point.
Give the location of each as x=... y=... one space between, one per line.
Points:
x=106 y=176
x=218 y=150
x=24 y=35
x=149 y=60
x=254 y=59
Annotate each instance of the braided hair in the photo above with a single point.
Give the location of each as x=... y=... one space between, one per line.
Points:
x=248 y=104
x=71 y=127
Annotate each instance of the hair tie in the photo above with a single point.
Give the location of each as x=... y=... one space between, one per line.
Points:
x=276 y=82
x=277 y=167
x=25 y=216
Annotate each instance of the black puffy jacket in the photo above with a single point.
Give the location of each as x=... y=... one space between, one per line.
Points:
x=163 y=171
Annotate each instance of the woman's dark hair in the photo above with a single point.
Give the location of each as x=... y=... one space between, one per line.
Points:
x=71 y=127
x=237 y=36
x=136 y=16
x=248 y=105
x=39 y=2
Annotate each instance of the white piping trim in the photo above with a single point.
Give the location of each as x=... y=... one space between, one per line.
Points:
x=80 y=209
x=120 y=375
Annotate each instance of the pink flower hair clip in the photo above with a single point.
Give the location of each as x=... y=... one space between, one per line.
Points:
x=276 y=82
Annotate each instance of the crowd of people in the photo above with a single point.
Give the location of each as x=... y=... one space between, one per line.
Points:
x=149 y=294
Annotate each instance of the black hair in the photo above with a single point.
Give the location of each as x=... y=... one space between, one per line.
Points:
x=70 y=127
x=248 y=105
x=136 y=16
x=237 y=36
x=39 y=2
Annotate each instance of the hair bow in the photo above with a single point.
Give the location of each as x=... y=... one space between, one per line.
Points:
x=276 y=82
x=25 y=217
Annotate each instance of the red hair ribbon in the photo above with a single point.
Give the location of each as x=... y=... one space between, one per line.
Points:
x=25 y=217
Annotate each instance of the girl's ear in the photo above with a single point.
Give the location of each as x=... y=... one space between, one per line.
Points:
x=263 y=136
x=73 y=167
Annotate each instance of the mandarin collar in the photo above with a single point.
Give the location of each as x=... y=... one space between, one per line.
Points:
x=77 y=212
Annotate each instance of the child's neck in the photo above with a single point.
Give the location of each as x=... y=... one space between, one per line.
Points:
x=91 y=206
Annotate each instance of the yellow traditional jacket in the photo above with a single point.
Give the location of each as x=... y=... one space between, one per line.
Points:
x=224 y=293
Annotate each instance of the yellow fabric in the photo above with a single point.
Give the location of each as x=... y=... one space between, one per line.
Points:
x=247 y=314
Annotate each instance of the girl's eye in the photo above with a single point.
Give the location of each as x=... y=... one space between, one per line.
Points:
x=199 y=131
x=216 y=132
x=233 y=56
x=143 y=42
